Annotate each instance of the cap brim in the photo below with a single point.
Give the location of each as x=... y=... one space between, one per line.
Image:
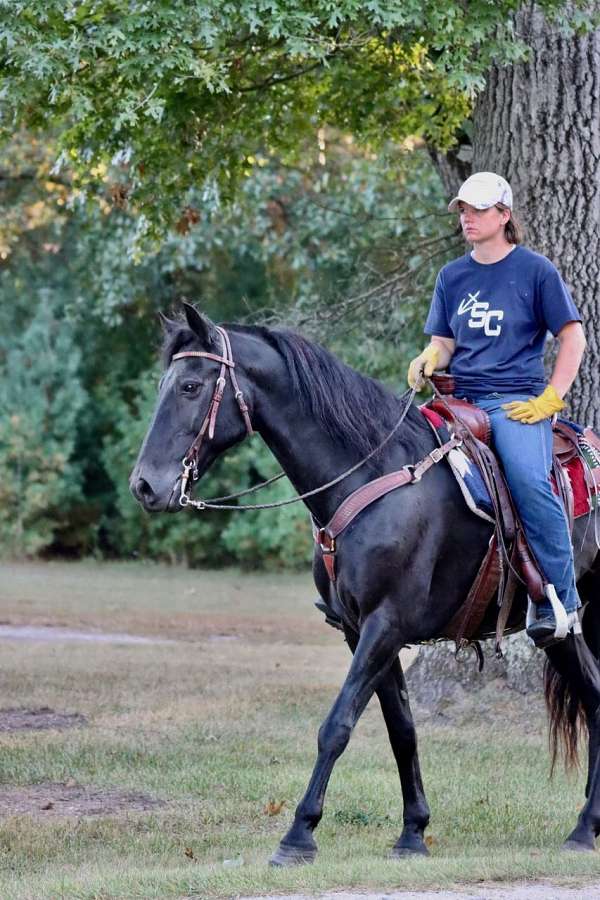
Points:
x=453 y=205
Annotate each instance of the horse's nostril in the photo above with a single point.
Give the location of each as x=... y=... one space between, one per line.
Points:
x=143 y=490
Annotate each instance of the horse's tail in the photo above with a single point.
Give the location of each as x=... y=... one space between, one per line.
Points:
x=565 y=713
x=565 y=703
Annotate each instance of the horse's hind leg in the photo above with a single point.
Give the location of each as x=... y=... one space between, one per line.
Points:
x=378 y=645
x=572 y=690
x=591 y=634
x=393 y=698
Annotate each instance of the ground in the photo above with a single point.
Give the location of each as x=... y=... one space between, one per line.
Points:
x=169 y=767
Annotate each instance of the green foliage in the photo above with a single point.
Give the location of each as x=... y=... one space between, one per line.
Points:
x=272 y=539
x=300 y=245
x=41 y=399
x=161 y=98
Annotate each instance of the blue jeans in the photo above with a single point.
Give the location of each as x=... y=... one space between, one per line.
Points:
x=525 y=452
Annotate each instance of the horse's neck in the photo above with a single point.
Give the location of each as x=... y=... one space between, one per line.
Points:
x=307 y=452
x=311 y=457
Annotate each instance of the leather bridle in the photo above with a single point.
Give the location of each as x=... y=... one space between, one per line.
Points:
x=190 y=460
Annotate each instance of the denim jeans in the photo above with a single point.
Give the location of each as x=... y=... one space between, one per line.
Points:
x=525 y=452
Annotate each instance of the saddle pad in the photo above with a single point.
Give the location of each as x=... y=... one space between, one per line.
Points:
x=465 y=471
x=575 y=470
x=473 y=486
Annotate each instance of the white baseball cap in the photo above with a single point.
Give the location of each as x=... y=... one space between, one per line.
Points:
x=483 y=190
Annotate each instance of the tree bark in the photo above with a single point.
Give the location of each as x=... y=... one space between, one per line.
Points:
x=538 y=124
x=453 y=167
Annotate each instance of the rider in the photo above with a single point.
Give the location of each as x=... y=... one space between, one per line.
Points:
x=489 y=316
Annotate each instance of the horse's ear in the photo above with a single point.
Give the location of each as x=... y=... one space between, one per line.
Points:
x=200 y=324
x=168 y=325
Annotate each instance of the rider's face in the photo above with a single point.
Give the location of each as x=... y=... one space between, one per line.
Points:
x=482 y=224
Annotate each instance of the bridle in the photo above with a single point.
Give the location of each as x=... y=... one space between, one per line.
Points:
x=190 y=460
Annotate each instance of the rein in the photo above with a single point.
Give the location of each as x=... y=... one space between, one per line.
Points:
x=190 y=460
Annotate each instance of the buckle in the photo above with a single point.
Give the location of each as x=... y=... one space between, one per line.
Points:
x=322 y=536
x=437 y=455
x=410 y=467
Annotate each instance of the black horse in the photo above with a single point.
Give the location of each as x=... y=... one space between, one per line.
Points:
x=405 y=564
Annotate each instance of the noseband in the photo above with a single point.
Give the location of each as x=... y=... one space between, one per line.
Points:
x=190 y=460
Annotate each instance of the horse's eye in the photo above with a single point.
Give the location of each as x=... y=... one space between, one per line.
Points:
x=190 y=387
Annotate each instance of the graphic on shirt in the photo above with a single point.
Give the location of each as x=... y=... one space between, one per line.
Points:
x=481 y=314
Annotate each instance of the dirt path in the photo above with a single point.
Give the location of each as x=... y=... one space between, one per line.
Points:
x=586 y=890
x=54 y=633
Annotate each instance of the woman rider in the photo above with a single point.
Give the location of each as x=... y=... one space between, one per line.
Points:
x=489 y=316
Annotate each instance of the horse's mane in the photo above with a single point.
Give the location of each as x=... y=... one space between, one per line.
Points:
x=356 y=410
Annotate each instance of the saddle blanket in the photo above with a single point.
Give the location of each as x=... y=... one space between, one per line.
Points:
x=476 y=493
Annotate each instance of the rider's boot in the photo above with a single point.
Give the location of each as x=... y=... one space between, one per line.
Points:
x=549 y=622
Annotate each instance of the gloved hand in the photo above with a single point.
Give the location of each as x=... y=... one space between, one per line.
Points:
x=424 y=364
x=536 y=408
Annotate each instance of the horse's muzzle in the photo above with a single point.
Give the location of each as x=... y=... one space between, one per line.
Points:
x=151 y=497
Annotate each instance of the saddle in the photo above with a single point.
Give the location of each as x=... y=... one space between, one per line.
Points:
x=509 y=558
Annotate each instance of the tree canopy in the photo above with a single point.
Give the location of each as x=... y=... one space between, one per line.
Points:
x=166 y=104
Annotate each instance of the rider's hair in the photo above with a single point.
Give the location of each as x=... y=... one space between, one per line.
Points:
x=513 y=230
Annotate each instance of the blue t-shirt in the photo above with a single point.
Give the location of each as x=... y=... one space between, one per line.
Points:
x=499 y=315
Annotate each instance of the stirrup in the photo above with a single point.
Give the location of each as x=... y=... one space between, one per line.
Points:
x=565 y=622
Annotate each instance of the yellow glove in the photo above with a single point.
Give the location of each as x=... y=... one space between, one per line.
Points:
x=424 y=364
x=536 y=408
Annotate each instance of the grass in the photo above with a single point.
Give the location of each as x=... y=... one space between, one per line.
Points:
x=223 y=722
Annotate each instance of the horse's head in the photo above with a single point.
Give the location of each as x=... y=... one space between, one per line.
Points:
x=200 y=412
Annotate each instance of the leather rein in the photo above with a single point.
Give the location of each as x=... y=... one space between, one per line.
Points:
x=412 y=471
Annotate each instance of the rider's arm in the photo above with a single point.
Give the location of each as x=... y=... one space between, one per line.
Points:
x=445 y=348
x=572 y=344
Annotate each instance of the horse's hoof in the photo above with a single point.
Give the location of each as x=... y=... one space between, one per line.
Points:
x=405 y=852
x=285 y=857
x=578 y=847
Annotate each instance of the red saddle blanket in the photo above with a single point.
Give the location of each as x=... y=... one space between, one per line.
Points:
x=585 y=488
x=581 y=494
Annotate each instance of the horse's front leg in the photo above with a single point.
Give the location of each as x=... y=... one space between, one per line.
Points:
x=393 y=698
x=378 y=646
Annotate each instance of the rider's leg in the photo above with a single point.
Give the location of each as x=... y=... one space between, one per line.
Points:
x=526 y=455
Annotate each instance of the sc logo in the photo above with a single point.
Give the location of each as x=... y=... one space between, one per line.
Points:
x=481 y=315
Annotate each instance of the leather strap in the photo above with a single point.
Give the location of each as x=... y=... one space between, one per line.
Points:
x=506 y=601
x=529 y=569
x=234 y=383
x=469 y=617
x=373 y=490
x=210 y=420
x=565 y=491
x=202 y=354
x=367 y=494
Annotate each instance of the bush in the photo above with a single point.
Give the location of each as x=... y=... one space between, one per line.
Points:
x=41 y=399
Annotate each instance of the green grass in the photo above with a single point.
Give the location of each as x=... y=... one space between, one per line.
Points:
x=218 y=728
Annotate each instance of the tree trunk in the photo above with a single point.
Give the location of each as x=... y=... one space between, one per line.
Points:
x=538 y=124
